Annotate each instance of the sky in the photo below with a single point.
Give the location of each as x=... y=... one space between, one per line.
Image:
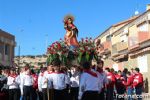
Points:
x=38 y=23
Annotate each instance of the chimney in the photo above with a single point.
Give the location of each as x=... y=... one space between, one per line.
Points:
x=148 y=7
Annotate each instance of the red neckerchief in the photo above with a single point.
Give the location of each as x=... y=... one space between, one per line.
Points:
x=58 y=72
x=13 y=75
x=49 y=72
x=28 y=74
x=90 y=72
x=100 y=70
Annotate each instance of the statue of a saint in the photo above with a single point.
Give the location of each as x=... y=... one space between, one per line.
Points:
x=71 y=32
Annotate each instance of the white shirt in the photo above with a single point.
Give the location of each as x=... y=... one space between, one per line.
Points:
x=74 y=80
x=59 y=80
x=88 y=83
x=39 y=81
x=103 y=79
x=11 y=82
x=46 y=80
x=27 y=80
x=21 y=82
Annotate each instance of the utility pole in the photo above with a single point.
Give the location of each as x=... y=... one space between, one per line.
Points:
x=46 y=45
x=19 y=55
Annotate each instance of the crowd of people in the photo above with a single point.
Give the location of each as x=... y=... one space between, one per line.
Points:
x=56 y=82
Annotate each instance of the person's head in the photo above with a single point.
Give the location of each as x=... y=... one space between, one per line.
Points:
x=86 y=65
x=100 y=64
x=32 y=71
x=125 y=70
x=112 y=70
x=128 y=74
x=69 y=20
x=56 y=63
x=136 y=70
x=119 y=72
x=12 y=71
x=107 y=70
x=56 y=68
x=26 y=68
x=28 y=71
x=50 y=68
x=43 y=69
x=63 y=69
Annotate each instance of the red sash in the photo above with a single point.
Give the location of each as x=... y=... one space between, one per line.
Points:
x=91 y=73
x=100 y=70
x=58 y=72
x=14 y=76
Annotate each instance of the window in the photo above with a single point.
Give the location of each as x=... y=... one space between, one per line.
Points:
x=108 y=38
x=143 y=27
x=1 y=49
x=124 y=38
x=6 y=50
x=142 y=63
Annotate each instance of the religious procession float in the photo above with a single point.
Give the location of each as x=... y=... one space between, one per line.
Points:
x=70 y=51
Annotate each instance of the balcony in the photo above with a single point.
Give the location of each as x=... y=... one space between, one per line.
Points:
x=120 y=46
x=106 y=47
x=143 y=36
x=136 y=41
x=114 y=50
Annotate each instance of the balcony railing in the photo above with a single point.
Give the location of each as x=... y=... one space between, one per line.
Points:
x=120 y=46
x=114 y=50
x=106 y=46
x=135 y=41
x=143 y=36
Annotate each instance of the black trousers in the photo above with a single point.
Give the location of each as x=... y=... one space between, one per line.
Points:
x=40 y=95
x=44 y=92
x=101 y=95
x=14 y=94
x=28 y=93
x=74 y=91
x=90 y=95
x=60 y=94
x=110 y=93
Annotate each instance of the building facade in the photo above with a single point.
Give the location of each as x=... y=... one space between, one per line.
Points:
x=7 y=45
x=33 y=61
x=127 y=45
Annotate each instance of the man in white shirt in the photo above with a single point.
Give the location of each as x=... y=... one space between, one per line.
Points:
x=27 y=84
x=59 y=80
x=89 y=84
x=13 y=86
x=74 y=82
x=103 y=79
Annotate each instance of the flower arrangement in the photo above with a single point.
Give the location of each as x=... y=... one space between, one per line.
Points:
x=61 y=52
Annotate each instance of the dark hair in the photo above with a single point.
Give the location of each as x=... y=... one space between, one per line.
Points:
x=56 y=62
x=112 y=70
x=100 y=61
x=128 y=73
x=119 y=71
x=86 y=65
x=32 y=71
x=107 y=69
x=125 y=70
x=137 y=69
x=12 y=69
